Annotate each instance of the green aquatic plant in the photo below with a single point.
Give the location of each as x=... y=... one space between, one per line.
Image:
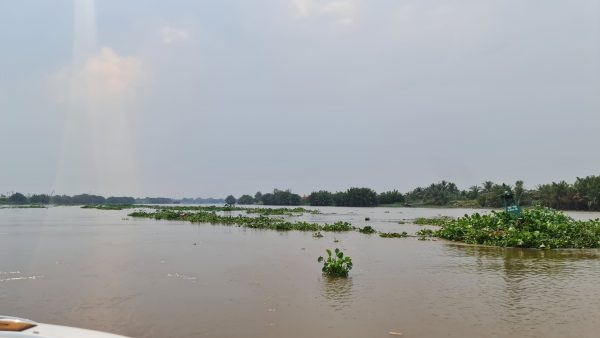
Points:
x=260 y=222
x=109 y=206
x=367 y=230
x=317 y=234
x=336 y=265
x=338 y=226
x=438 y=221
x=537 y=227
x=393 y=234
x=226 y=207
x=425 y=233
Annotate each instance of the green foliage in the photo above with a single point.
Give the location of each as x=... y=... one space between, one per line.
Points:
x=61 y=200
x=230 y=200
x=584 y=194
x=278 y=211
x=367 y=230
x=212 y=208
x=336 y=265
x=488 y=195
x=120 y=200
x=393 y=234
x=87 y=199
x=491 y=195
x=435 y=194
x=17 y=198
x=425 y=233
x=538 y=227
x=109 y=206
x=39 y=199
x=338 y=227
x=154 y=200
x=317 y=234
x=281 y=197
x=245 y=200
x=439 y=221
x=390 y=197
x=356 y=197
x=320 y=198
x=260 y=222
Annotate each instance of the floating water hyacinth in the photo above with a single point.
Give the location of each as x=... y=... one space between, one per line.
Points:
x=336 y=265
x=538 y=227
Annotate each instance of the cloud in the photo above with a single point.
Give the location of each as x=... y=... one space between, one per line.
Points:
x=104 y=77
x=446 y=24
x=342 y=12
x=172 y=35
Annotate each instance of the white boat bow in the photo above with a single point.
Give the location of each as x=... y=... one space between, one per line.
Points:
x=13 y=327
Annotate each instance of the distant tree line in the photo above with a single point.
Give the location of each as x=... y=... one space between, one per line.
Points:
x=353 y=197
x=85 y=199
x=277 y=197
x=583 y=194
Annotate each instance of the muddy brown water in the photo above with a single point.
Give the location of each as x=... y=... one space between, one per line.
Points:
x=143 y=278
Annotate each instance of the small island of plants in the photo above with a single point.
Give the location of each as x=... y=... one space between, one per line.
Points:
x=336 y=265
x=260 y=222
x=538 y=227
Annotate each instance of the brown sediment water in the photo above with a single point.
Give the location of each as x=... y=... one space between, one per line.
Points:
x=143 y=278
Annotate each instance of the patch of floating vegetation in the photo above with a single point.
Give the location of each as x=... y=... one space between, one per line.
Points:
x=425 y=233
x=108 y=207
x=437 y=221
x=208 y=214
x=210 y=208
x=260 y=222
x=393 y=234
x=367 y=230
x=338 y=227
x=537 y=227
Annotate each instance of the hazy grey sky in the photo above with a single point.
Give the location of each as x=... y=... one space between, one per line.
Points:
x=206 y=98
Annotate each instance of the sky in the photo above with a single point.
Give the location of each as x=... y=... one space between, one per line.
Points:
x=208 y=98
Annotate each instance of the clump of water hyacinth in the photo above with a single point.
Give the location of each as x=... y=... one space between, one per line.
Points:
x=336 y=265
x=537 y=227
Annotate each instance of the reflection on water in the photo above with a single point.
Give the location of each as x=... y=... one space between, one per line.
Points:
x=533 y=286
x=9 y=276
x=338 y=291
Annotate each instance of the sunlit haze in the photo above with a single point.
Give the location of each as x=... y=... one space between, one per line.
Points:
x=207 y=98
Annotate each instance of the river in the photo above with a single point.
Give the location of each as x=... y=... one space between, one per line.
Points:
x=143 y=278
